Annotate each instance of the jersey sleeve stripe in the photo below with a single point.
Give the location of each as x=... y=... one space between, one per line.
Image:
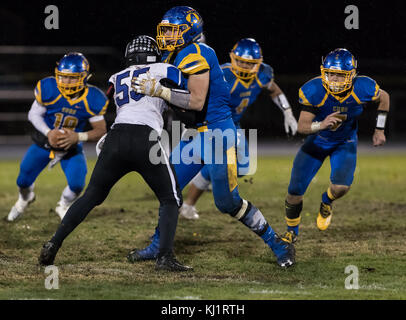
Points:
x=37 y=93
x=303 y=98
x=377 y=92
x=194 y=62
x=103 y=110
x=53 y=101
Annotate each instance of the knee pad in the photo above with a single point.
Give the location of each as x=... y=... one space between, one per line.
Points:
x=200 y=182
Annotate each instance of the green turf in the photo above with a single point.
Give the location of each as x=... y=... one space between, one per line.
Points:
x=229 y=261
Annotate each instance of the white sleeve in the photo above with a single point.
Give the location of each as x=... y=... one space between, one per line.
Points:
x=96 y=118
x=36 y=117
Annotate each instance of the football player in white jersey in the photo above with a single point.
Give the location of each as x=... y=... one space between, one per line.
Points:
x=127 y=148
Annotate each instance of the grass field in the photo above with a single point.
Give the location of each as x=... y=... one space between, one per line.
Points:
x=230 y=262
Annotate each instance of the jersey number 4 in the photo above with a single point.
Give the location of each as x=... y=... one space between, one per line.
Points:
x=122 y=87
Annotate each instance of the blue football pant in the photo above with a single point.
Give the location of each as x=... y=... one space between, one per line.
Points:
x=309 y=159
x=219 y=159
x=37 y=158
x=243 y=157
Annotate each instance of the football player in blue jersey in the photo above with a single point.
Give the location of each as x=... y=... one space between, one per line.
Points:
x=331 y=104
x=209 y=95
x=247 y=75
x=62 y=107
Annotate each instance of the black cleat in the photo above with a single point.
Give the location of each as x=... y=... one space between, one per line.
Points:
x=48 y=253
x=168 y=262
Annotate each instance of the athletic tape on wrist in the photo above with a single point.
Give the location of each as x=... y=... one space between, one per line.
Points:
x=381 y=120
x=83 y=136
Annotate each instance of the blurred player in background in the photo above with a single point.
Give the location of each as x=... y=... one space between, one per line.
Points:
x=208 y=94
x=63 y=105
x=127 y=148
x=247 y=75
x=331 y=105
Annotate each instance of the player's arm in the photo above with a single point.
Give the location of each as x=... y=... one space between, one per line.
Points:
x=282 y=102
x=36 y=117
x=191 y=99
x=198 y=85
x=383 y=99
x=71 y=137
x=306 y=125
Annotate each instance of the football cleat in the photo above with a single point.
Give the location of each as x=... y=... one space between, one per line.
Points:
x=148 y=253
x=48 y=253
x=289 y=236
x=19 y=207
x=61 y=208
x=284 y=251
x=324 y=216
x=188 y=212
x=168 y=262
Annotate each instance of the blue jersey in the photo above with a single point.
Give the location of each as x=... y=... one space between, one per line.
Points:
x=69 y=113
x=314 y=97
x=198 y=57
x=244 y=93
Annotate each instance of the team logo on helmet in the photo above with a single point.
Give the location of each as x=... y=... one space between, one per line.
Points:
x=193 y=18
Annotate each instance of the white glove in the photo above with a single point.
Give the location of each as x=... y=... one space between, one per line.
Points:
x=149 y=86
x=290 y=122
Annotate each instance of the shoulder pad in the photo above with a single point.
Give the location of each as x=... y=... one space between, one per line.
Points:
x=228 y=74
x=365 y=89
x=191 y=59
x=312 y=93
x=97 y=101
x=265 y=74
x=46 y=91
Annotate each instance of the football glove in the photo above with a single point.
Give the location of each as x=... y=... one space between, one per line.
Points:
x=290 y=122
x=150 y=87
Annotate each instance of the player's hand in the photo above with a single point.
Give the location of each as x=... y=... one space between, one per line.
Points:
x=149 y=86
x=68 y=139
x=53 y=137
x=290 y=122
x=378 y=138
x=330 y=121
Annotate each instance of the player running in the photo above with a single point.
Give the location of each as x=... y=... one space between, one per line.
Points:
x=332 y=104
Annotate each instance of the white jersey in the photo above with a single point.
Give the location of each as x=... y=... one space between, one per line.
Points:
x=136 y=108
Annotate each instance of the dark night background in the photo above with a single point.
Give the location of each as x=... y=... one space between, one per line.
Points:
x=293 y=36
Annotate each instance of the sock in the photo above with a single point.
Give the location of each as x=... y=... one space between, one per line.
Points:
x=253 y=218
x=25 y=193
x=168 y=219
x=269 y=236
x=68 y=196
x=292 y=212
x=328 y=197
